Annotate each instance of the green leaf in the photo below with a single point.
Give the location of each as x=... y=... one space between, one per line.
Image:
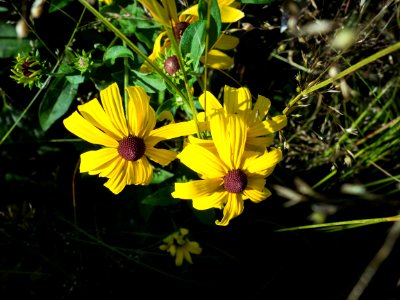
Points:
x=75 y=79
x=152 y=83
x=58 y=5
x=10 y=44
x=115 y=52
x=3 y=9
x=160 y=175
x=55 y=103
x=161 y=197
x=215 y=20
x=193 y=41
x=256 y=1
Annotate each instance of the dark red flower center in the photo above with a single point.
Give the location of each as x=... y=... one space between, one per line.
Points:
x=179 y=28
x=171 y=65
x=25 y=69
x=131 y=148
x=235 y=181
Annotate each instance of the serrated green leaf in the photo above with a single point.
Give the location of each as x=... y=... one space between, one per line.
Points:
x=56 y=101
x=160 y=175
x=193 y=41
x=161 y=197
x=115 y=52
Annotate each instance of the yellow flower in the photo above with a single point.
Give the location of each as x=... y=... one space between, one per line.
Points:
x=227 y=8
x=229 y=174
x=166 y=14
x=128 y=141
x=180 y=246
x=107 y=2
x=238 y=101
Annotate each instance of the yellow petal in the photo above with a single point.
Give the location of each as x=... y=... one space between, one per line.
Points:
x=256 y=195
x=157 y=49
x=202 y=161
x=112 y=103
x=196 y=188
x=157 y=12
x=116 y=183
x=263 y=163
x=193 y=247
x=226 y=42
x=161 y=156
x=259 y=111
x=258 y=143
x=186 y=254
x=233 y=208
x=236 y=100
x=93 y=112
x=268 y=126
x=142 y=171
x=209 y=103
x=97 y=159
x=230 y=14
x=218 y=60
x=229 y=136
x=112 y=168
x=179 y=256
x=141 y=117
x=87 y=131
x=216 y=200
x=193 y=10
x=171 y=131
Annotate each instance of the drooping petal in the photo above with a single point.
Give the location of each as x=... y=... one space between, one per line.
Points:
x=215 y=200
x=93 y=112
x=268 y=126
x=233 y=208
x=203 y=161
x=259 y=143
x=142 y=171
x=263 y=163
x=116 y=183
x=112 y=104
x=229 y=136
x=97 y=159
x=186 y=254
x=259 y=111
x=209 y=103
x=161 y=156
x=193 y=247
x=193 y=10
x=87 y=131
x=226 y=42
x=257 y=196
x=218 y=60
x=157 y=12
x=141 y=116
x=256 y=183
x=171 y=131
x=179 y=256
x=157 y=49
x=229 y=14
x=196 y=188
x=236 y=100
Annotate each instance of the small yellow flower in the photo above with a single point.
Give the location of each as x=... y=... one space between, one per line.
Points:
x=178 y=245
x=128 y=141
x=238 y=101
x=229 y=174
x=107 y=2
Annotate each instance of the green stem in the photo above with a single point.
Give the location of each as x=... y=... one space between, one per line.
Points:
x=349 y=70
x=128 y=42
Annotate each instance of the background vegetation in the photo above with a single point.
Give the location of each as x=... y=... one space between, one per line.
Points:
x=64 y=235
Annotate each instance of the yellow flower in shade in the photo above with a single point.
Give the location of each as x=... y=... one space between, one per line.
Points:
x=166 y=14
x=229 y=174
x=238 y=101
x=178 y=245
x=128 y=141
x=107 y=2
x=227 y=9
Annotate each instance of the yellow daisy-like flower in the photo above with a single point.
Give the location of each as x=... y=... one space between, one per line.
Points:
x=180 y=246
x=165 y=13
x=227 y=8
x=128 y=141
x=229 y=174
x=238 y=101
